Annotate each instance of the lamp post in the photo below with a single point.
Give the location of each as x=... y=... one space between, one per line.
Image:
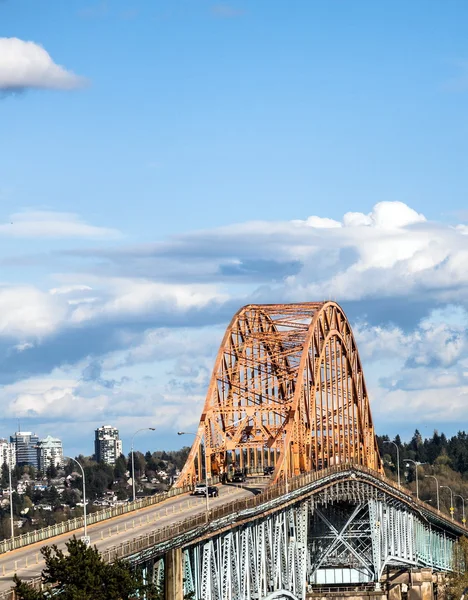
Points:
x=133 y=458
x=451 y=498
x=398 y=459
x=437 y=489
x=84 y=498
x=12 y=524
x=206 y=469
x=416 y=465
x=463 y=506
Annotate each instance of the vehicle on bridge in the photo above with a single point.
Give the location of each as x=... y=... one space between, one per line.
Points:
x=239 y=477
x=200 y=490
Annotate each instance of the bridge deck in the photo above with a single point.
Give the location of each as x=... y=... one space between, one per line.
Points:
x=180 y=521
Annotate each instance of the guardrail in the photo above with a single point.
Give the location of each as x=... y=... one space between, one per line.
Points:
x=51 y=531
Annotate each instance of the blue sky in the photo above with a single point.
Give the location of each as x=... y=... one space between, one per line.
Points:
x=165 y=162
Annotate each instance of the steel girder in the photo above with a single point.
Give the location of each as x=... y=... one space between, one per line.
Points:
x=350 y=531
x=253 y=561
x=365 y=536
x=287 y=391
x=288 y=549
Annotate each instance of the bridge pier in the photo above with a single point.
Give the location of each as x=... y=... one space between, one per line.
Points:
x=413 y=585
x=173 y=575
x=421 y=587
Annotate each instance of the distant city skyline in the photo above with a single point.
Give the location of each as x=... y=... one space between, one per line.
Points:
x=166 y=163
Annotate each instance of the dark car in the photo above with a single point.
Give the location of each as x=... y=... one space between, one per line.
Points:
x=268 y=470
x=238 y=477
x=200 y=490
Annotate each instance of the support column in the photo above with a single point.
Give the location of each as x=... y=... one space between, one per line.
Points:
x=421 y=587
x=173 y=575
x=394 y=592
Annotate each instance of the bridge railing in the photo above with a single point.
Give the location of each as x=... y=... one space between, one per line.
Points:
x=70 y=525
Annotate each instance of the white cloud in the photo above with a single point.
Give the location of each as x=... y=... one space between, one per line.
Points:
x=26 y=65
x=419 y=375
x=27 y=313
x=138 y=297
x=57 y=225
x=144 y=298
x=385 y=215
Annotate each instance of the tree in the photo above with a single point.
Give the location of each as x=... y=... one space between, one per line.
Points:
x=120 y=467
x=51 y=472
x=458 y=580
x=82 y=574
x=5 y=479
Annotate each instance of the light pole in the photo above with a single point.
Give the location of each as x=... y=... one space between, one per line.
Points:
x=398 y=459
x=133 y=458
x=451 y=498
x=463 y=506
x=206 y=469
x=437 y=489
x=416 y=465
x=84 y=498
x=12 y=524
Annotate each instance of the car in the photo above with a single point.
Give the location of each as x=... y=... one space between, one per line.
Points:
x=200 y=490
x=238 y=477
x=268 y=470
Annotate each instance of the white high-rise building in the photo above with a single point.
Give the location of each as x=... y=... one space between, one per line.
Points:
x=107 y=445
x=49 y=453
x=7 y=453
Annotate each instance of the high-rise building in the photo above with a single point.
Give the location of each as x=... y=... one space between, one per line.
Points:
x=25 y=444
x=7 y=453
x=107 y=445
x=49 y=453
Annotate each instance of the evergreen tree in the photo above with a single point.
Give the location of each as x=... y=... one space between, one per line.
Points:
x=120 y=467
x=5 y=479
x=81 y=574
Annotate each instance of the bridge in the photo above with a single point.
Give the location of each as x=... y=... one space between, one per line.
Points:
x=287 y=395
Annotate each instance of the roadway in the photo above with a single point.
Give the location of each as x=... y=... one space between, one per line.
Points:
x=28 y=563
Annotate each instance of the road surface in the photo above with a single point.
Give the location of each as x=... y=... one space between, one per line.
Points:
x=27 y=562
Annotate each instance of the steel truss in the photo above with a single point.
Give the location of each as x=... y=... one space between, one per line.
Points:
x=263 y=559
x=359 y=530
x=287 y=391
x=351 y=531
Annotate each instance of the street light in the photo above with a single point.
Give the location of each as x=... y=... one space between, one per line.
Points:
x=398 y=459
x=437 y=489
x=86 y=540
x=416 y=465
x=451 y=498
x=206 y=469
x=463 y=506
x=133 y=458
x=11 y=499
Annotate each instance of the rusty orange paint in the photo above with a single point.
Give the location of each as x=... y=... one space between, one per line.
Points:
x=287 y=391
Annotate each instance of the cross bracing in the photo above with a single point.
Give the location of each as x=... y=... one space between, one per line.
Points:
x=350 y=529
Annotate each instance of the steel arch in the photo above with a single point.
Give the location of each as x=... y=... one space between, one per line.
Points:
x=287 y=391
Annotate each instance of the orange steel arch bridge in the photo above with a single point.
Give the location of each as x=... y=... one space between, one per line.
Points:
x=287 y=392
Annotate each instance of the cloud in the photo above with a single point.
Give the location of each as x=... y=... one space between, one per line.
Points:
x=25 y=65
x=28 y=314
x=390 y=255
x=136 y=324
x=49 y=224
